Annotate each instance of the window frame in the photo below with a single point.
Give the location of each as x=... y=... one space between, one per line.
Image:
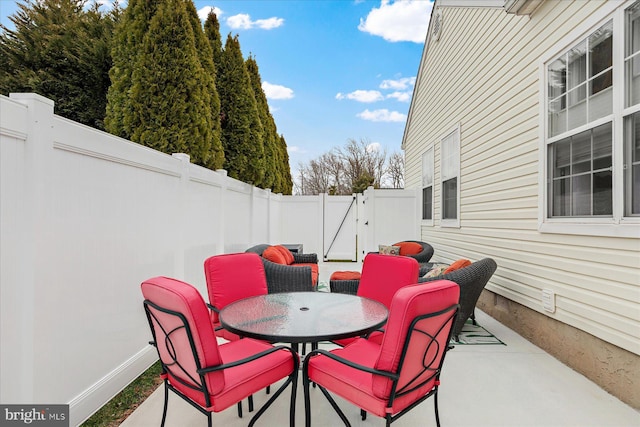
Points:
x=618 y=225
x=427 y=221
x=450 y=222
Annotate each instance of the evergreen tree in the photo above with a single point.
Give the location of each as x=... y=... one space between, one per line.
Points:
x=286 y=181
x=212 y=32
x=127 y=42
x=170 y=99
x=203 y=46
x=241 y=126
x=61 y=51
x=270 y=132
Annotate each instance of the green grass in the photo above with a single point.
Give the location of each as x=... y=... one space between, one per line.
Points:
x=124 y=403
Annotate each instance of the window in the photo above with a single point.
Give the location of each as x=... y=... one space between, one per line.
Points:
x=581 y=174
x=450 y=176
x=580 y=82
x=592 y=168
x=632 y=102
x=427 y=185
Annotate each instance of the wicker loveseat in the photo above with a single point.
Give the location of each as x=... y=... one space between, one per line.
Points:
x=295 y=277
x=472 y=280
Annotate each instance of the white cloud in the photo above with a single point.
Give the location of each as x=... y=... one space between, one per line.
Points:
x=268 y=24
x=294 y=149
x=362 y=96
x=272 y=91
x=243 y=21
x=400 y=96
x=383 y=115
x=399 y=84
x=204 y=12
x=402 y=20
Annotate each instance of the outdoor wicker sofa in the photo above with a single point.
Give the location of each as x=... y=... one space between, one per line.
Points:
x=287 y=278
x=472 y=280
x=424 y=255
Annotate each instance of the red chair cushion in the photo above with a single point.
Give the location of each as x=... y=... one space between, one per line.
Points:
x=383 y=275
x=231 y=277
x=461 y=263
x=247 y=379
x=273 y=254
x=345 y=275
x=351 y=384
x=223 y=333
x=409 y=248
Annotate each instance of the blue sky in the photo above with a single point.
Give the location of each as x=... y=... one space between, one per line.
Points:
x=331 y=69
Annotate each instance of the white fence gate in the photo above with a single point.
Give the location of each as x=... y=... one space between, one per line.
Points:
x=340 y=232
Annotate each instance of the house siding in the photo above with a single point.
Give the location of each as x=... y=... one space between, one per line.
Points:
x=483 y=75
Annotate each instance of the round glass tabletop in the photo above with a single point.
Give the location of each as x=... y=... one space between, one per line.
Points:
x=303 y=316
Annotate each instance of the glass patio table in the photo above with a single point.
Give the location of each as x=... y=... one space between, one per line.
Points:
x=300 y=317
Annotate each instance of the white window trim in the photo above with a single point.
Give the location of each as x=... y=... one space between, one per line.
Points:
x=618 y=225
x=429 y=222
x=451 y=223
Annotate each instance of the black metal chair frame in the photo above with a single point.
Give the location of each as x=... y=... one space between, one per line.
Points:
x=202 y=371
x=395 y=376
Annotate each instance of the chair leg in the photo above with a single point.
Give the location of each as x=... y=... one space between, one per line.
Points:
x=293 y=380
x=268 y=389
x=250 y=399
x=209 y=420
x=435 y=405
x=307 y=401
x=363 y=414
x=292 y=404
x=166 y=402
x=473 y=316
x=239 y=409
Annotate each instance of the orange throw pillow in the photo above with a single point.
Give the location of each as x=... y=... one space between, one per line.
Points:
x=345 y=275
x=461 y=263
x=409 y=248
x=273 y=254
x=286 y=253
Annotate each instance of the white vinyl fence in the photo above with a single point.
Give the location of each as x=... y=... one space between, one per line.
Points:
x=85 y=217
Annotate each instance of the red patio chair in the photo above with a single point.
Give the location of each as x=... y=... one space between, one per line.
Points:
x=391 y=378
x=232 y=277
x=209 y=376
x=382 y=276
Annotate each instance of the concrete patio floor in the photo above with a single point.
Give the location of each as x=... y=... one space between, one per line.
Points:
x=516 y=384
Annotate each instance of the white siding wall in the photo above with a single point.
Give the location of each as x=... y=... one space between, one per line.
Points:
x=483 y=75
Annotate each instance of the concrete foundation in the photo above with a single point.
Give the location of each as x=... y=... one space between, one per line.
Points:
x=614 y=369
